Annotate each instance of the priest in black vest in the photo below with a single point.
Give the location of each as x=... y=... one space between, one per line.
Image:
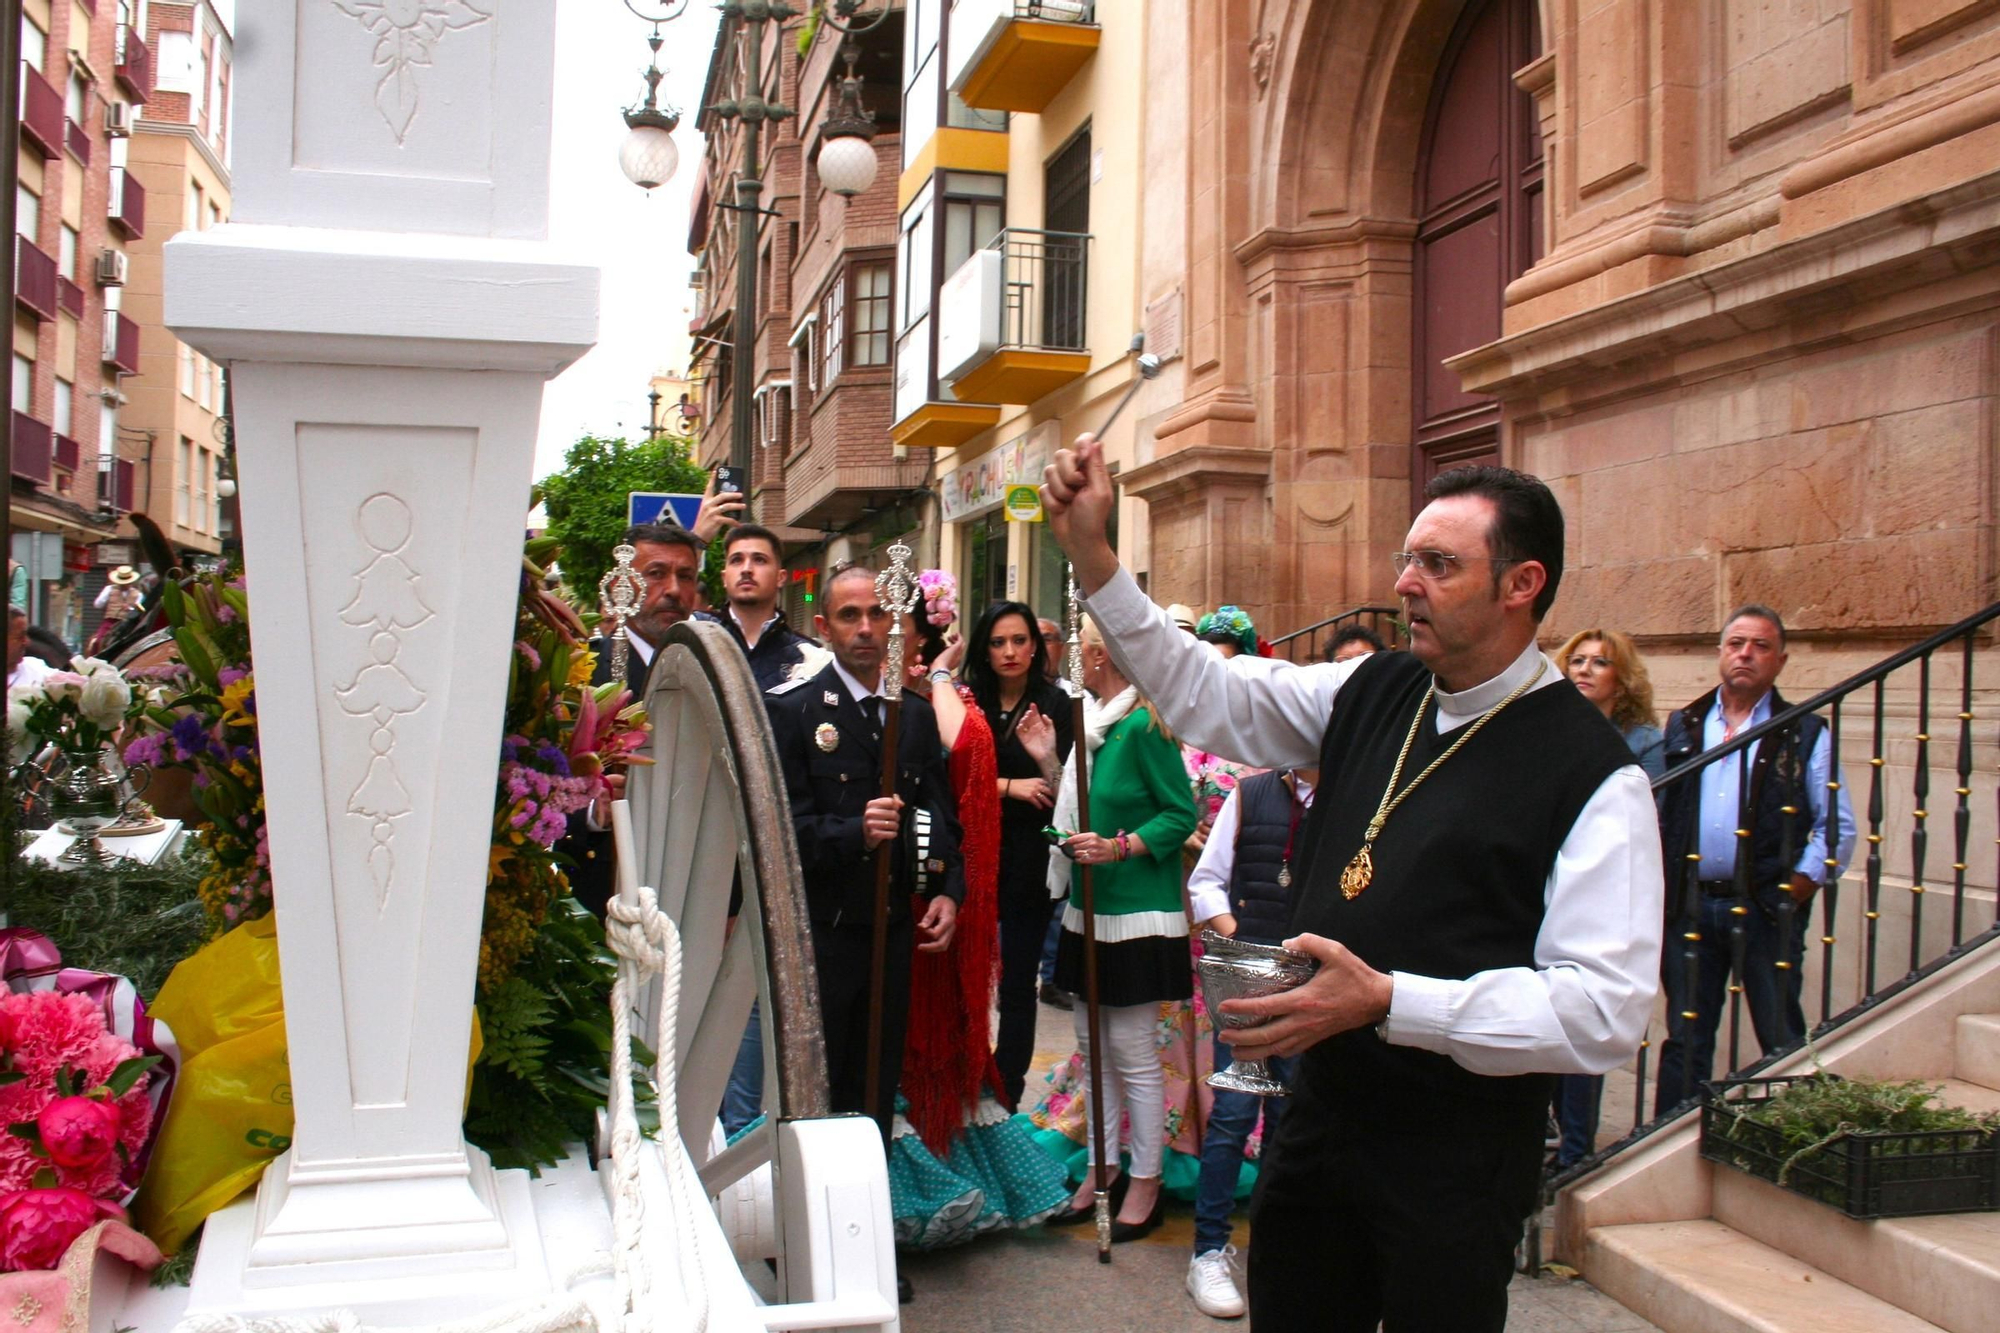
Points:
x=1479 y=880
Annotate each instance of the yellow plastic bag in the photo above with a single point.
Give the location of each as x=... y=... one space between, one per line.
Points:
x=231 y=1110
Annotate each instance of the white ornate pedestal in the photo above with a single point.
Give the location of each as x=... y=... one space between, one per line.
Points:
x=389 y=318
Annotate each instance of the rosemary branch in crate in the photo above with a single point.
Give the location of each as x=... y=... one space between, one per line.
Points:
x=1810 y=1113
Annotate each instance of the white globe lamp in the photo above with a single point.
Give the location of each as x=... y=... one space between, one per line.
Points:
x=847 y=165
x=648 y=157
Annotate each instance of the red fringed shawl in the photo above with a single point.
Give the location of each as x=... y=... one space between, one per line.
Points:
x=949 y=1054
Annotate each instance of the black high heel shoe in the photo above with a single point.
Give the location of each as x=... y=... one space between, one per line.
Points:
x=1124 y=1231
x=1070 y=1217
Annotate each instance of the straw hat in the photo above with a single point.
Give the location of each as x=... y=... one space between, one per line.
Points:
x=1183 y=615
x=124 y=575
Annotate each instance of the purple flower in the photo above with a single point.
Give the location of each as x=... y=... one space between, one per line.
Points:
x=190 y=738
x=150 y=750
x=229 y=675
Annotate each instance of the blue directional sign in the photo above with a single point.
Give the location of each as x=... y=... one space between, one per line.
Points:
x=649 y=506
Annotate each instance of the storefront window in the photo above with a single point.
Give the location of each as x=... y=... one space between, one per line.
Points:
x=985 y=563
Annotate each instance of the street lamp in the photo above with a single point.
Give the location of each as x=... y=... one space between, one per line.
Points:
x=847 y=139
x=751 y=110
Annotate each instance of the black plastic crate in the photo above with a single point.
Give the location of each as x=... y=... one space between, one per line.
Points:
x=1863 y=1175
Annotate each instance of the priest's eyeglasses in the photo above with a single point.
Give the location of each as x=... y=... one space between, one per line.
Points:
x=1436 y=565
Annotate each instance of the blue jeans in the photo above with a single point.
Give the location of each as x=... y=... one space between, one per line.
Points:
x=743 y=1100
x=1049 y=944
x=1772 y=995
x=1230 y=1121
x=1578 y=1097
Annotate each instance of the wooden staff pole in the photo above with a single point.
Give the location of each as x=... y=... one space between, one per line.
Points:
x=1093 y=1011
x=896 y=590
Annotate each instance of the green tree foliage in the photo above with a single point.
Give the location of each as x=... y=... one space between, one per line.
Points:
x=586 y=500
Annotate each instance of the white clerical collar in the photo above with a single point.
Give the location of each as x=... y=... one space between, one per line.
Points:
x=855 y=689
x=1462 y=707
x=639 y=646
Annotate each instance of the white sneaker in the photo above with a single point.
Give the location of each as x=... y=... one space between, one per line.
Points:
x=1213 y=1285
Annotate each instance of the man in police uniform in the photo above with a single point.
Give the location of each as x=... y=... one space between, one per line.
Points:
x=828 y=730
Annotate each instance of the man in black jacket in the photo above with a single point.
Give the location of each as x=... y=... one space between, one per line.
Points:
x=753 y=570
x=828 y=731
x=668 y=558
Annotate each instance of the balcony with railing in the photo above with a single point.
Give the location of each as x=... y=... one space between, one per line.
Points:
x=33 y=450
x=34 y=279
x=41 y=113
x=127 y=209
x=69 y=297
x=121 y=343
x=1016 y=55
x=69 y=454
x=1012 y=319
x=135 y=64
x=77 y=140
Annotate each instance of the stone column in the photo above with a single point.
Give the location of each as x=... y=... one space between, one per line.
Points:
x=389 y=315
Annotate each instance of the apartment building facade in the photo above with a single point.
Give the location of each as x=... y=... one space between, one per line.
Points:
x=179 y=152
x=1036 y=149
x=824 y=472
x=87 y=70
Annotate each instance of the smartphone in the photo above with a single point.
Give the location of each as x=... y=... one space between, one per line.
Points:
x=730 y=479
x=1056 y=836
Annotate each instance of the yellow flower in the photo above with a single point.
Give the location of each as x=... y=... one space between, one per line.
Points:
x=233 y=698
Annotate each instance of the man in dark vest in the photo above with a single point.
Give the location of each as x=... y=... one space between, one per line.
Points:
x=1784 y=863
x=1479 y=880
x=1241 y=887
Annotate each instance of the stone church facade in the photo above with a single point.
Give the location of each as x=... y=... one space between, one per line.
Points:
x=1725 y=272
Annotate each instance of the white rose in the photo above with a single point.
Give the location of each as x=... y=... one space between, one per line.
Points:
x=63 y=686
x=17 y=715
x=91 y=666
x=105 y=698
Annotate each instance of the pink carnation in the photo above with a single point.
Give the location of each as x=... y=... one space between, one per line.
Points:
x=79 y=1132
x=51 y=1031
x=37 y=1226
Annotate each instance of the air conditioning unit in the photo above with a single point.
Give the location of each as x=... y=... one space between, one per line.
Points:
x=118 y=117
x=111 y=267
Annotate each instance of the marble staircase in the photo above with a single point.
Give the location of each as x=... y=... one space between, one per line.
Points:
x=1699 y=1248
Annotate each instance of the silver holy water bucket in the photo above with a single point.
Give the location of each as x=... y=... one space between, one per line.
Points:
x=1233 y=970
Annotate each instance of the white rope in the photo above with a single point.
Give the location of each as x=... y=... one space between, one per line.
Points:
x=647 y=943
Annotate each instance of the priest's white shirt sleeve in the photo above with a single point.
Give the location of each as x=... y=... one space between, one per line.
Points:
x=1583 y=1007
x=1208 y=884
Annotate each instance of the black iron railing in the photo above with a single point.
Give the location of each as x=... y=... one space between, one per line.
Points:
x=1304 y=645
x=1044 y=280
x=1916 y=710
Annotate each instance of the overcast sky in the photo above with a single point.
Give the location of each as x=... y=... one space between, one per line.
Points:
x=639 y=237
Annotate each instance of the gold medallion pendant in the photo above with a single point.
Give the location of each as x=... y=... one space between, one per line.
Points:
x=1358 y=873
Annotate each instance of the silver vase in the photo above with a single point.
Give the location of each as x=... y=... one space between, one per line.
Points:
x=1233 y=970
x=84 y=797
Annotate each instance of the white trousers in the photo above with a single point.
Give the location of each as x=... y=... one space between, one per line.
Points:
x=1132 y=1080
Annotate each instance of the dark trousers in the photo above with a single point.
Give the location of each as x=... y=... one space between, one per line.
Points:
x=1414 y=1232
x=841 y=953
x=1771 y=994
x=1024 y=925
x=1578 y=1100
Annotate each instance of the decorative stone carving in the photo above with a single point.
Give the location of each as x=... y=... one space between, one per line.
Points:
x=1263 y=54
x=406 y=36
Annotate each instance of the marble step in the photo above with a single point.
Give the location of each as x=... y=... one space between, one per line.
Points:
x=1707 y=1277
x=1976 y=1049
x=1945 y=1269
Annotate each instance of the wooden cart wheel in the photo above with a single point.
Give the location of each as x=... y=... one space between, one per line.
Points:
x=710 y=818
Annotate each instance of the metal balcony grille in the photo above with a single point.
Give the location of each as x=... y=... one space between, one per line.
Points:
x=1044 y=277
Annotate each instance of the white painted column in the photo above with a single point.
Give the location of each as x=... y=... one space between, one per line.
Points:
x=389 y=315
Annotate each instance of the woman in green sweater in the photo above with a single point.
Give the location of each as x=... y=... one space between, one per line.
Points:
x=1141 y=811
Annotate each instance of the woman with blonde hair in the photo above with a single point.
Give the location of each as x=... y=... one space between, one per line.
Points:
x=1141 y=811
x=1605 y=667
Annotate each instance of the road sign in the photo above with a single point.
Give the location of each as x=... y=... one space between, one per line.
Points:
x=662 y=507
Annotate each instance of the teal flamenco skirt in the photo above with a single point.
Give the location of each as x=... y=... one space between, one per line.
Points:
x=993 y=1178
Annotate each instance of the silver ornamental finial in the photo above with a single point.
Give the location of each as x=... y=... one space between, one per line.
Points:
x=1075 y=663
x=619 y=594
x=896 y=589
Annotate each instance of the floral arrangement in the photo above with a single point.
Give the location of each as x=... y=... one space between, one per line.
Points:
x=940 y=597
x=201 y=714
x=544 y=977
x=73 y=1098
x=78 y=709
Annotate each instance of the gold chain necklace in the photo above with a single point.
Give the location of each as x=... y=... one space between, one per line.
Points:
x=1360 y=871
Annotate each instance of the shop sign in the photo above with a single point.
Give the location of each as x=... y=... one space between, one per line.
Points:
x=1024 y=503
